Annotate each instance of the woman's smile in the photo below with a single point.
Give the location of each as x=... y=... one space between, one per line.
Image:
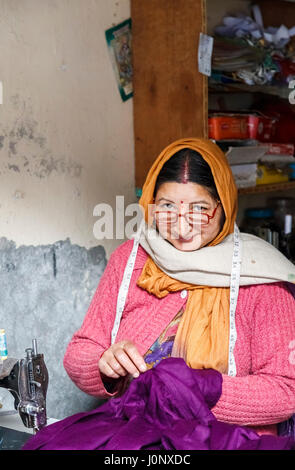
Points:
x=186 y=215
x=185 y=240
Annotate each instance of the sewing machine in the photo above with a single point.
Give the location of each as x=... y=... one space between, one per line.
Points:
x=28 y=381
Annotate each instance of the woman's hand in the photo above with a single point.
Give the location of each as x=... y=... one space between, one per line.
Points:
x=120 y=359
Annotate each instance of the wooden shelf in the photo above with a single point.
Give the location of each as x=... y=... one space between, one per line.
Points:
x=263 y=188
x=282 y=92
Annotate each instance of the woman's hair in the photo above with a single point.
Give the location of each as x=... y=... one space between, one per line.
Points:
x=188 y=166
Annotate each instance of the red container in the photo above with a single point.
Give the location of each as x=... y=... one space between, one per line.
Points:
x=253 y=123
x=266 y=129
x=241 y=126
x=228 y=126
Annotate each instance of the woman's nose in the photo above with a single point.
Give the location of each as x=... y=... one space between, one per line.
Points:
x=184 y=228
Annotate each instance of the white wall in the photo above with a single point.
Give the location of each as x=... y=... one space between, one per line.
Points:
x=66 y=137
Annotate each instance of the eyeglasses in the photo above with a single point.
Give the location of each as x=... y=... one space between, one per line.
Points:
x=191 y=217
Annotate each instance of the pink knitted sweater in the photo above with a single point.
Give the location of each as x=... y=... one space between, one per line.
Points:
x=263 y=391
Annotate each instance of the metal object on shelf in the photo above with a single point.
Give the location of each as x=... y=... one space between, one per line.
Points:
x=270 y=236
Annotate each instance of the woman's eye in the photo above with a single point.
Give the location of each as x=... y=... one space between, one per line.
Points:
x=197 y=208
x=168 y=205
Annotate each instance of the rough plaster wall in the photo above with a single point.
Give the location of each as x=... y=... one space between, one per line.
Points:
x=66 y=145
x=66 y=137
x=45 y=292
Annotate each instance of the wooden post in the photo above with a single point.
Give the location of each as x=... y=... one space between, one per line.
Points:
x=170 y=95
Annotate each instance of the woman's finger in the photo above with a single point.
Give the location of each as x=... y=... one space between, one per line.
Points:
x=107 y=370
x=117 y=367
x=135 y=357
x=123 y=358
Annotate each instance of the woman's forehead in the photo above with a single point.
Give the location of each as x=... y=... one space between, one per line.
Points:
x=183 y=192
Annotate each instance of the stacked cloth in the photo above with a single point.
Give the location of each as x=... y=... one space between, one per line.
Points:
x=167 y=407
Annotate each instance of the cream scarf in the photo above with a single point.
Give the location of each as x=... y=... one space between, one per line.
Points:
x=261 y=262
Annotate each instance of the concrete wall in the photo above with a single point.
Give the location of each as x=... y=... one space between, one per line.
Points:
x=66 y=136
x=66 y=145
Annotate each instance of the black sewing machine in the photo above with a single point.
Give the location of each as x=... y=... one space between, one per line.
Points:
x=27 y=380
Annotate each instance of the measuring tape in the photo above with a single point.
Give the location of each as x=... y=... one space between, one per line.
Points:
x=123 y=291
x=234 y=292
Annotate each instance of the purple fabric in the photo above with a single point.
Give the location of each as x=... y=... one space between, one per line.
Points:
x=291 y=287
x=167 y=407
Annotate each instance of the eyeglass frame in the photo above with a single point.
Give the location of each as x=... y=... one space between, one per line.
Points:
x=178 y=214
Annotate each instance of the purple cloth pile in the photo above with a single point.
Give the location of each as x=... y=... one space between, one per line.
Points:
x=167 y=407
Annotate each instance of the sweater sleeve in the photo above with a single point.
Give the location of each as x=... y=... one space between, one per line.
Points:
x=94 y=337
x=267 y=395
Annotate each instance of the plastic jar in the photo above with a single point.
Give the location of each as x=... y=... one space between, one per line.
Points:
x=282 y=206
x=292 y=173
x=260 y=221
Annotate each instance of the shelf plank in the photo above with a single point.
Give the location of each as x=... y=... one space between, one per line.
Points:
x=282 y=92
x=263 y=188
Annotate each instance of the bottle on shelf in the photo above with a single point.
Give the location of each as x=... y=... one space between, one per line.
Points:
x=287 y=239
x=260 y=221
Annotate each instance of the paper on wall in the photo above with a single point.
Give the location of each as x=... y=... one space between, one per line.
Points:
x=205 y=54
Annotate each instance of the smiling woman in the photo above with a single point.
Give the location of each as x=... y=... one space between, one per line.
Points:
x=193 y=196
x=175 y=332
x=187 y=212
x=186 y=224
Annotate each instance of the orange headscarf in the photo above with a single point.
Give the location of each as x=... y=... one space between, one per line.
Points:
x=203 y=334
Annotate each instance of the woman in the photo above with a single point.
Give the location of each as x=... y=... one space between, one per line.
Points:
x=200 y=361
x=178 y=300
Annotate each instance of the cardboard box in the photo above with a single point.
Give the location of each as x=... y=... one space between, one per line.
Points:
x=270 y=175
x=243 y=155
x=245 y=175
x=255 y=154
x=278 y=149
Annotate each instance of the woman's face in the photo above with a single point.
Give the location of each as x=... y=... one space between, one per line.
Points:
x=186 y=234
